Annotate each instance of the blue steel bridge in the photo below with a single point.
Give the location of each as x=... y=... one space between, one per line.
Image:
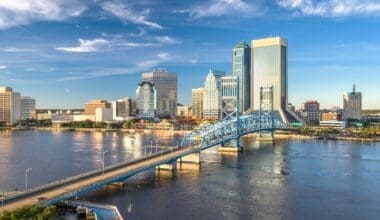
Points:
x=224 y=133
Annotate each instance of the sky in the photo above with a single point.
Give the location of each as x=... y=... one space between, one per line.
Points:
x=67 y=52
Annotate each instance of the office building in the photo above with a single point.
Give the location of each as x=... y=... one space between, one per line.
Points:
x=146 y=100
x=310 y=112
x=270 y=69
x=165 y=84
x=183 y=111
x=90 y=107
x=230 y=95
x=241 y=67
x=352 y=105
x=331 y=116
x=197 y=102
x=212 y=96
x=122 y=109
x=27 y=107
x=9 y=106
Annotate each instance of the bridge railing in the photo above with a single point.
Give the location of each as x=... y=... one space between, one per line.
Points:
x=88 y=174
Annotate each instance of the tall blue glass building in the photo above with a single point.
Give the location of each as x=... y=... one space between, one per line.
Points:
x=241 y=66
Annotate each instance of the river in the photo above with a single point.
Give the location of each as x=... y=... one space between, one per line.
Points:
x=308 y=179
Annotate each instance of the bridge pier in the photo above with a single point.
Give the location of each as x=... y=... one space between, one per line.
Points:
x=189 y=162
x=265 y=137
x=231 y=146
x=167 y=167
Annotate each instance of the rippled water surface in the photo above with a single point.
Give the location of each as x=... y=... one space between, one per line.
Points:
x=285 y=180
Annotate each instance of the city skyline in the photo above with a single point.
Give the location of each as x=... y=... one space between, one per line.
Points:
x=336 y=48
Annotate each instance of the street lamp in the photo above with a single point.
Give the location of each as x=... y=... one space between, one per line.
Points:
x=26 y=178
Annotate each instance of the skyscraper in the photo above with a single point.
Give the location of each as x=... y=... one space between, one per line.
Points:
x=197 y=102
x=270 y=68
x=352 y=105
x=241 y=67
x=166 y=86
x=146 y=99
x=310 y=112
x=212 y=98
x=9 y=105
x=27 y=107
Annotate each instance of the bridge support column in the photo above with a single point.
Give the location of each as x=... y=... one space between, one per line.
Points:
x=191 y=161
x=231 y=146
x=266 y=136
x=167 y=167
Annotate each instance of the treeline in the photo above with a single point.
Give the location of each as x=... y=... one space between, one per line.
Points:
x=321 y=132
x=368 y=132
x=92 y=124
x=365 y=132
x=33 y=123
x=30 y=212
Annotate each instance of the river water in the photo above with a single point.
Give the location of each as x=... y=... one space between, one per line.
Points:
x=286 y=180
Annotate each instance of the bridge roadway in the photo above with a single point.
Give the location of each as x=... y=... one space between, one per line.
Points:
x=65 y=189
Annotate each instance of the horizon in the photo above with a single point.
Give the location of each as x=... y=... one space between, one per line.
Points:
x=66 y=53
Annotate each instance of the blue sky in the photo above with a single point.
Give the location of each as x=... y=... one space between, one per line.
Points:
x=67 y=52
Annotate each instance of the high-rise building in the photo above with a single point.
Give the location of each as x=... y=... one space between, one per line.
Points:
x=9 y=106
x=212 y=97
x=166 y=87
x=230 y=96
x=310 y=112
x=122 y=109
x=270 y=69
x=197 y=102
x=90 y=107
x=146 y=99
x=241 y=67
x=352 y=105
x=27 y=107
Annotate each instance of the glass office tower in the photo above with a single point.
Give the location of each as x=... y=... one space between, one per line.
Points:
x=270 y=68
x=241 y=67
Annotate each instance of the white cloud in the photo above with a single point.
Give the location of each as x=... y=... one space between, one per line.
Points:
x=2 y=67
x=16 y=49
x=167 y=40
x=126 y=13
x=85 y=46
x=218 y=8
x=23 y=12
x=332 y=8
x=137 y=44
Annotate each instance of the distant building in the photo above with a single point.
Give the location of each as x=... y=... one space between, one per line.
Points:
x=103 y=114
x=9 y=106
x=90 y=107
x=310 y=112
x=352 y=105
x=333 y=124
x=212 y=97
x=197 y=102
x=146 y=96
x=331 y=116
x=241 y=68
x=165 y=84
x=270 y=68
x=230 y=94
x=183 y=111
x=122 y=109
x=27 y=107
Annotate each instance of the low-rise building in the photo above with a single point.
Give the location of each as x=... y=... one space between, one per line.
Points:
x=333 y=124
x=329 y=116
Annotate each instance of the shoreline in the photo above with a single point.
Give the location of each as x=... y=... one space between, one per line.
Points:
x=278 y=136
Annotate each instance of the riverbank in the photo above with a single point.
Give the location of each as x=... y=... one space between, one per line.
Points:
x=121 y=130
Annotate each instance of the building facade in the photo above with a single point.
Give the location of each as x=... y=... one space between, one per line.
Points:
x=352 y=105
x=183 y=111
x=122 y=109
x=212 y=96
x=331 y=116
x=90 y=107
x=146 y=100
x=310 y=112
x=241 y=68
x=270 y=68
x=230 y=97
x=197 y=102
x=9 y=106
x=27 y=107
x=165 y=84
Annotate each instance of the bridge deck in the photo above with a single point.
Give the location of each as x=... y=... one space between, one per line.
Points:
x=126 y=170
